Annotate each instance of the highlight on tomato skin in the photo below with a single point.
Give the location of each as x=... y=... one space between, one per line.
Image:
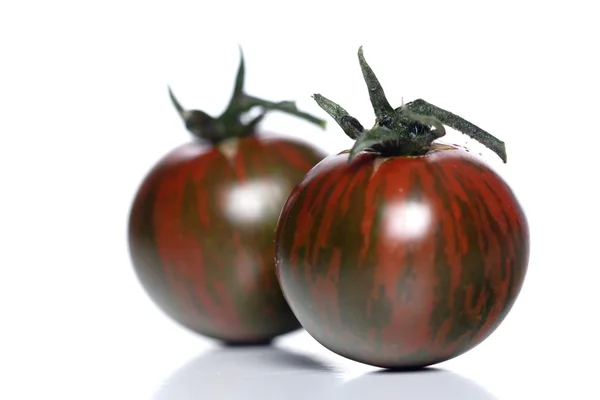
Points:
x=201 y=226
x=401 y=254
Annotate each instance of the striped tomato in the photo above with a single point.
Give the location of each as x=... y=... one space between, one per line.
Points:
x=202 y=224
x=402 y=252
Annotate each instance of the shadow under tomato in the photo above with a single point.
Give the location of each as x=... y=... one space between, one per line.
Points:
x=250 y=373
x=421 y=384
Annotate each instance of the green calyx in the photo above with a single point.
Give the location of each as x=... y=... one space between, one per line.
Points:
x=229 y=124
x=408 y=130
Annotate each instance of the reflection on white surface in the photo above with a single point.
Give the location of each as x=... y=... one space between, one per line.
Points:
x=428 y=384
x=250 y=373
x=273 y=373
x=246 y=203
x=407 y=220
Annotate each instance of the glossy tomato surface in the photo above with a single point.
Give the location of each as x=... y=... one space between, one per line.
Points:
x=402 y=262
x=201 y=233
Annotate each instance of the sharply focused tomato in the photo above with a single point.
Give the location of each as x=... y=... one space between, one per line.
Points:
x=202 y=223
x=402 y=252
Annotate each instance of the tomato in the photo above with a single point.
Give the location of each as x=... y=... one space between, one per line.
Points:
x=202 y=223
x=402 y=252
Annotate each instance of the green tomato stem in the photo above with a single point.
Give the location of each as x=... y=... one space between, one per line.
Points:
x=461 y=125
x=229 y=124
x=407 y=130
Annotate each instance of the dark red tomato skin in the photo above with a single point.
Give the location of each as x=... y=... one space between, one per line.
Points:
x=402 y=262
x=201 y=232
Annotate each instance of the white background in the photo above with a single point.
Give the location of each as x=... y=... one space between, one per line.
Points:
x=84 y=113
